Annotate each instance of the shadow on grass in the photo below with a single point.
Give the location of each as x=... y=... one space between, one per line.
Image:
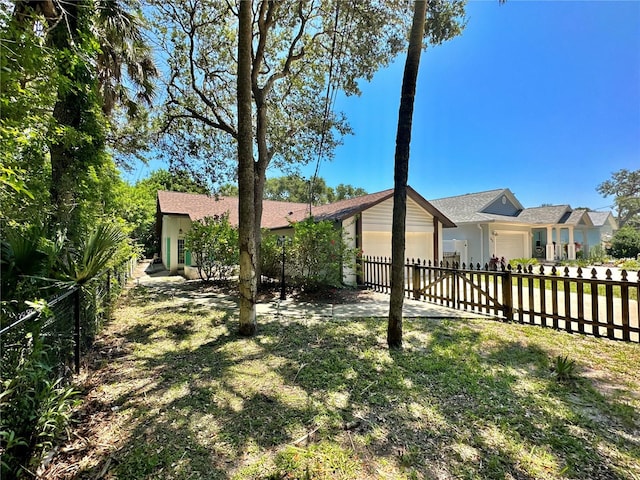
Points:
x=202 y=401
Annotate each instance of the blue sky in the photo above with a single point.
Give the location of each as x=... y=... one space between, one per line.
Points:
x=539 y=97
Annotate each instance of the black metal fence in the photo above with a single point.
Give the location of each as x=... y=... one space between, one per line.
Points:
x=67 y=323
x=549 y=297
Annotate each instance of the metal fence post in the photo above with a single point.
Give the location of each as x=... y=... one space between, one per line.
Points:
x=108 y=286
x=76 y=315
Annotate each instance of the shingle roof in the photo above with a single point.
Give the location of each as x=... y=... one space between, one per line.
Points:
x=342 y=209
x=280 y=214
x=467 y=208
x=352 y=206
x=545 y=215
x=198 y=206
x=599 y=218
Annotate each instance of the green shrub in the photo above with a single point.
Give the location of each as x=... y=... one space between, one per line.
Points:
x=564 y=369
x=213 y=244
x=525 y=262
x=597 y=254
x=36 y=407
x=625 y=243
x=318 y=254
x=630 y=265
x=270 y=255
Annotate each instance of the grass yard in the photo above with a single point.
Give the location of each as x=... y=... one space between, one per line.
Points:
x=174 y=393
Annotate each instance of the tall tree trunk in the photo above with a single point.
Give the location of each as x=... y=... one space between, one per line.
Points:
x=401 y=173
x=67 y=113
x=260 y=168
x=246 y=175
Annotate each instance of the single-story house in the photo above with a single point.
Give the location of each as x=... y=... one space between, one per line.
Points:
x=366 y=222
x=495 y=224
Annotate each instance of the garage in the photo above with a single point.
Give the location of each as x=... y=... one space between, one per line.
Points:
x=510 y=245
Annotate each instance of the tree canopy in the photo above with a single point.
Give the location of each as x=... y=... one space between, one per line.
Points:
x=624 y=186
x=291 y=53
x=293 y=188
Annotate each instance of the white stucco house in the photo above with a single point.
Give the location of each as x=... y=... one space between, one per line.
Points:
x=366 y=222
x=495 y=224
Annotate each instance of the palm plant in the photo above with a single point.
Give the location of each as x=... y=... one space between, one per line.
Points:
x=80 y=265
x=118 y=27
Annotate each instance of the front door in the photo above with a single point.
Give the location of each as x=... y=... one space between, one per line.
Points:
x=539 y=243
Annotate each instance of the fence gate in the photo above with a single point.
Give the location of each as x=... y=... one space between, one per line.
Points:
x=472 y=289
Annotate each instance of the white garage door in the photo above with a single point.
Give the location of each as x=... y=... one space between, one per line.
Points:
x=510 y=245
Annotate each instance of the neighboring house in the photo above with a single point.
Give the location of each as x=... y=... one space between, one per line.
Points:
x=495 y=224
x=366 y=222
x=604 y=227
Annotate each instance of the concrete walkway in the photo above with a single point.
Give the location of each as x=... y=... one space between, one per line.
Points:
x=372 y=305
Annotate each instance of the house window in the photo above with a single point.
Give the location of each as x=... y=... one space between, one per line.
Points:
x=181 y=251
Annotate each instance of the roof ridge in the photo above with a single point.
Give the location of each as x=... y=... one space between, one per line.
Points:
x=471 y=194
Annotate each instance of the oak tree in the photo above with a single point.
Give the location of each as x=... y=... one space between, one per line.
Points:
x=624 y=186
x=300 y=54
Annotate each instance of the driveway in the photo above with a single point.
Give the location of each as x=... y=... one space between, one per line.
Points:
x=371 y=304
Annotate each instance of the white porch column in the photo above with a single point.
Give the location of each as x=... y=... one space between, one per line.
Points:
x=549 y=248
x=558 y=246
x=571 y=248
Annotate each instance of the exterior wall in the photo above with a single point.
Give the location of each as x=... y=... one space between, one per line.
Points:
x=499 y=208
x=477 y=241
x=459 y=246
x=171 y=225
x=599 y=235
x=480 y=239
x=376 y=231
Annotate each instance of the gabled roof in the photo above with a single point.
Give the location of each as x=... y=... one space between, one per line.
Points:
x=599 y=219
x=353 y=206
x=551 y=214
x=197 y=206
x=469 y=208
x=281 y=214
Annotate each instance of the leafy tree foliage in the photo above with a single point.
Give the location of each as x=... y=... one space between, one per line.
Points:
x=625 y=243
x=139 y=203
x=271 y=255
x=624 y=185
x=59 y=186
x=213 y=244
x=315 y=255
x=278 y=57
x=318 y=254
x=70 y=61
x=293 y=188
x=26 y=105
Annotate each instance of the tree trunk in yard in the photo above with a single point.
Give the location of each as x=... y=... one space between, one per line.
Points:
x=246 y=186
x=401 y=172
